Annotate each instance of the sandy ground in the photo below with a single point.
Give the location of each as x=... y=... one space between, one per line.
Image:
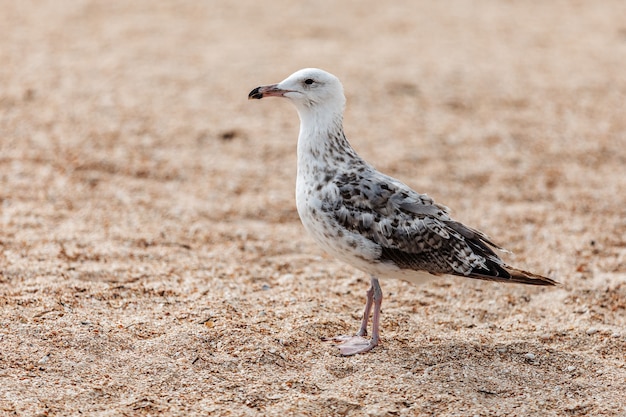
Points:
x=151 y=257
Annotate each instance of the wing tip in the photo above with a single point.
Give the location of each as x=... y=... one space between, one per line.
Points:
x=524 y=277
x=505 y=273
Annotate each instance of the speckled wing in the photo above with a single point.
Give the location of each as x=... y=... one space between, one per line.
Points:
x=416 y=233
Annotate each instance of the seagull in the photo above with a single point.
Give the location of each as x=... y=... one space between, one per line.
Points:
x=370 y=220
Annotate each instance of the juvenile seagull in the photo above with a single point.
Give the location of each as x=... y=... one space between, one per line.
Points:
x=368 y=219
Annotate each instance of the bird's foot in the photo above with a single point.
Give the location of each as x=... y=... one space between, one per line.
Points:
x=352 y=345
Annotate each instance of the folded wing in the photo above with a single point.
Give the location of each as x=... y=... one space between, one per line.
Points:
x=416 y=233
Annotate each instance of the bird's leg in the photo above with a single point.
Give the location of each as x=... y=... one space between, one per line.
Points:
x=378 y=302
x=368 y=308
x=351 y=345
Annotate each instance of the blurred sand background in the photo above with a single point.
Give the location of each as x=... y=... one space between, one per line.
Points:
x=151 y=258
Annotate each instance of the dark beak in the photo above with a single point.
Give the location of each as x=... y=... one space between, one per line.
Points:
x=266 y=91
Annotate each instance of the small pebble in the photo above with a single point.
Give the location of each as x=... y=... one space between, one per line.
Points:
x=287 y=277
x=571 y=368
x=592 y=330
x=265 y=287
x=616 y=335
x=530 y=356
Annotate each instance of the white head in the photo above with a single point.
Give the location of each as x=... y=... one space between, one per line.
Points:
x=315 y=93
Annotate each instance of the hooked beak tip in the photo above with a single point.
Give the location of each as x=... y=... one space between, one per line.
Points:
x=255 y=94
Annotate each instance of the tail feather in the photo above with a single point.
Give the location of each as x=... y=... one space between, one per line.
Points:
x=493 y=269
x=525 y=277
x=516 y=276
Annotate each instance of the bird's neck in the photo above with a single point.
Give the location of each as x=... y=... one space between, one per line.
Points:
x=322 y=144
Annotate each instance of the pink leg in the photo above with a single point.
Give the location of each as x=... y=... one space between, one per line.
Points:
x=368 y=308
x=351 y=345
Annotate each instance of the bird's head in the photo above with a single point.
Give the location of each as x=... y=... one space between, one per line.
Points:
x=309 y=89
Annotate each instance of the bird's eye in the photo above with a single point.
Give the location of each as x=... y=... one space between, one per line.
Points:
x=308 y=81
